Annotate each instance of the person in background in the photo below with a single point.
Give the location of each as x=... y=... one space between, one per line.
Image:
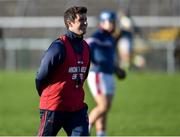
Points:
x=100 y=79
x=60 y=78
x=125 y=42
x=124 y=35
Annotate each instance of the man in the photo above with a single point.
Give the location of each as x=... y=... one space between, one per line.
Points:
x=100 y=78
x=60 y=79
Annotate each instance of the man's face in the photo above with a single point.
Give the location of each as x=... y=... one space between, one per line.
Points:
x=79 y=25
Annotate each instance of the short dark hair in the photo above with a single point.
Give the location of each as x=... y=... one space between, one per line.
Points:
x=70 y=13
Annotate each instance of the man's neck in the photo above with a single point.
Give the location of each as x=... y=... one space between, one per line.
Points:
x=73 y=35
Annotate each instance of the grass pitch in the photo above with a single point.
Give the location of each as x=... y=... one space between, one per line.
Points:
x=144 y=104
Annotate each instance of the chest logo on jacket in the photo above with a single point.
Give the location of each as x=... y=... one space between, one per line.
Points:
x=77 y=70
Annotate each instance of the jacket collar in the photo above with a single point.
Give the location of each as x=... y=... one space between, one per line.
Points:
x=74 y=37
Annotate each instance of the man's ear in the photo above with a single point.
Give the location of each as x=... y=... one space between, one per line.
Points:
x=69 y=23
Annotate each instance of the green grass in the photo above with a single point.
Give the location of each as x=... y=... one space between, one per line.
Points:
x=144 y=104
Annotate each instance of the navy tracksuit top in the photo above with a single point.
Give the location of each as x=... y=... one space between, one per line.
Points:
x=55 y=54
x=102 y=50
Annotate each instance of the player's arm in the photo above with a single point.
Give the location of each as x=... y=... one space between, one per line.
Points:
x=52 y=57
x=91 y=44
x=96 y=58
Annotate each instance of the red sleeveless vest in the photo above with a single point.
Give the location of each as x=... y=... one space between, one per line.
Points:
x=63 y=92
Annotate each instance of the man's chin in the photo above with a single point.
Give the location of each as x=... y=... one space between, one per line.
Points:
x=83 y=32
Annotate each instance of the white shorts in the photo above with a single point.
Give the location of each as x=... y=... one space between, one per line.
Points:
x=101 y=83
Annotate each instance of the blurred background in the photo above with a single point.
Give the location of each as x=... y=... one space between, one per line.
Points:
x=27 y=27
x=146 y=103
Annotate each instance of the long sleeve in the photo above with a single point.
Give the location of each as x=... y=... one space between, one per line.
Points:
x=102 y=50
x=52 y=57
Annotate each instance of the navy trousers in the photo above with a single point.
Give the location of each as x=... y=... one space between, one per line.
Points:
x=74 y=123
